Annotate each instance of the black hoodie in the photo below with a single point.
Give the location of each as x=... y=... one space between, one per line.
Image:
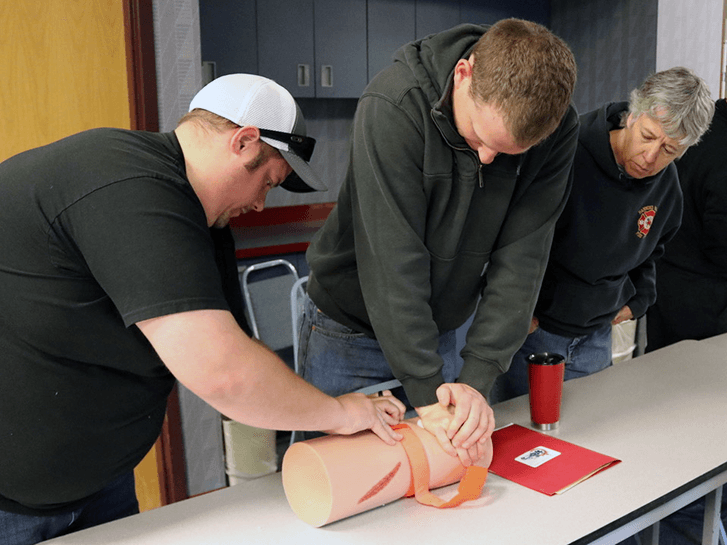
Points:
x=608 y=237
x=422 y=229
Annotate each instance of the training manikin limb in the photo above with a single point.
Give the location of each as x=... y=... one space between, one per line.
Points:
x=333 y=477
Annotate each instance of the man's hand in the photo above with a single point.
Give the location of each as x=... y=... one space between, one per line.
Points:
x=392 y=410
x=462 y=421
x=623 y=315
x=375 y=413
x=534 y=324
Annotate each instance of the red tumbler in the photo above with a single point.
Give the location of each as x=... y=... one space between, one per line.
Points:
x=545 y=378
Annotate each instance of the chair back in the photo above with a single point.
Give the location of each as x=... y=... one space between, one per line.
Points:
x=265 y=289
x=297 y=296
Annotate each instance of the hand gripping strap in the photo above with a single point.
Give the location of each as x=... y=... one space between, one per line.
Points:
x=469 y=488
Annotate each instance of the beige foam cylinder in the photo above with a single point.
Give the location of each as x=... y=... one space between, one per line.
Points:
x=333 y=477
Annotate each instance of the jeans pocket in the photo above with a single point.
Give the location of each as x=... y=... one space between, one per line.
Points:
x=337 y=359
x=329 y=327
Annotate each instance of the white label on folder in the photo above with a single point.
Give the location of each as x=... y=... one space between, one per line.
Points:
x=537 y=457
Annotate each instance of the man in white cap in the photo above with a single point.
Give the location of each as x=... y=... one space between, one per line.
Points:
x=110 y=293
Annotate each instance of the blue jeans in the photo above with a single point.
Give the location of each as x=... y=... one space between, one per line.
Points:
x=116 y=501
x=584 y=355
x=685 y=526
x=339 y=360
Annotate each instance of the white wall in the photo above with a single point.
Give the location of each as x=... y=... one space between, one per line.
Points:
x=179 y=77
x=689 y=33
x=178 y=58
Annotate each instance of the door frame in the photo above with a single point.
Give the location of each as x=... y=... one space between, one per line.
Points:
x=144 y=114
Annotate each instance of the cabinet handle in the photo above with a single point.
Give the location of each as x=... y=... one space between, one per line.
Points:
x=209 y=71
x=303 y=75
x=326 y=75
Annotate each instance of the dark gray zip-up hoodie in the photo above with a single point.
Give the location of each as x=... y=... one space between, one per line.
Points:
x=609 y=236
x=422 y=229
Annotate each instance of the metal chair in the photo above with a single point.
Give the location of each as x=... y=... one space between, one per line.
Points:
x=265 y=289
x=297 y=296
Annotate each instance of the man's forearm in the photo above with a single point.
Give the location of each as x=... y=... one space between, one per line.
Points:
x=238 y=376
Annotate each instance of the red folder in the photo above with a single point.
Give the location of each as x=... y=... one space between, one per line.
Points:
x=541 y=462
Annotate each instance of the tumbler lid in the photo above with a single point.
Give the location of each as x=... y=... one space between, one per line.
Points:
x=546 y=358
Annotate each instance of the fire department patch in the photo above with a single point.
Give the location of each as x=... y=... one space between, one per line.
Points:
x=646 y=218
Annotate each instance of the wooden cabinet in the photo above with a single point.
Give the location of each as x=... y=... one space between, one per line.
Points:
x=313 y=48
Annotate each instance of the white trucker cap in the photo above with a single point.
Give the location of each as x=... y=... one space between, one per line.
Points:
x=247 y=99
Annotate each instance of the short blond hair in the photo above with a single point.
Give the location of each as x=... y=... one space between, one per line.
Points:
x=527 y=73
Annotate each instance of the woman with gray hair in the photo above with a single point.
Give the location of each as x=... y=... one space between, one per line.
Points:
x=679 y=100
x=625 y=204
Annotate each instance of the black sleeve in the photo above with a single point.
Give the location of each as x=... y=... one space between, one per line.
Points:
x=224 y=244
x=147 y=244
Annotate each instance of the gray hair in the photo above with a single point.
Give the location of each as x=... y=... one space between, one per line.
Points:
x=679 y=100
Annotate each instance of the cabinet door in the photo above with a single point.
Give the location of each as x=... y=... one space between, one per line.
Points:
x=340 y=48
x=435 y=16
x=491 y=11
x=228 y=35
x=391 y=25
x=285 y=44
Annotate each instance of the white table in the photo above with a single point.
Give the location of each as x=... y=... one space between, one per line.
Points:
x=662 y=414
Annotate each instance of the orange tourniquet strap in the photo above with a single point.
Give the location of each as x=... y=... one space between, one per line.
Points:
x=470 y=486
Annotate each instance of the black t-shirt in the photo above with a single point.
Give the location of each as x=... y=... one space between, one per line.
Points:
x=97 y=232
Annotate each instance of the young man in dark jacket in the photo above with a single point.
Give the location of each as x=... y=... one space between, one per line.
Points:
x=459 y=168
x=624 y=205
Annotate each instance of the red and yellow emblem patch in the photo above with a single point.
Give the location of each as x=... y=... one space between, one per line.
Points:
x=646 y=219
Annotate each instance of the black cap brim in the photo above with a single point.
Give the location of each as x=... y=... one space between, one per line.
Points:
x=302 y=179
